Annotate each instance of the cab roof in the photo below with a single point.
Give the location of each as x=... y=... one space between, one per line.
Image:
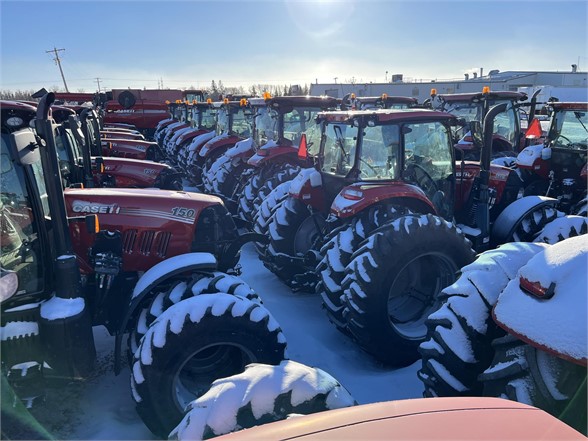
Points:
x=558 y=105
x=387 y=115
x=322 y=102
x=498 y=95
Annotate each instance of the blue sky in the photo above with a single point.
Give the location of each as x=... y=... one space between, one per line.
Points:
x=190 y=43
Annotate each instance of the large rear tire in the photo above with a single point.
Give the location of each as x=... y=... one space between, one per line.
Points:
x=294 y=230
x=193 y=343
x=458 y=345
x=266 y=210
x=261 y=184
x=337 y=251
x=260 y=395
x=393 y=281
x=522 y=373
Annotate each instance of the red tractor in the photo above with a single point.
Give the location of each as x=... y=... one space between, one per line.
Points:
x=79 y=166
x=155 y=254
x=280 y=161
x=233 y=124
x=385 y=201
x=557 y=167
x=507 y=138
x=202 y=118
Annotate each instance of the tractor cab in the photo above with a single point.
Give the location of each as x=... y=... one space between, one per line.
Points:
x=388 y=148
x=472 y=108
x=557 y=168
x=384 y=101
x=280 y=125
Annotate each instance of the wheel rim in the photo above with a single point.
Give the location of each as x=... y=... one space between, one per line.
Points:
x=204 y=366
x=308 y=233
x=412 y=297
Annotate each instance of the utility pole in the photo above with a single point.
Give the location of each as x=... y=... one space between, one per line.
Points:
x=98 y=81
x=58 y=62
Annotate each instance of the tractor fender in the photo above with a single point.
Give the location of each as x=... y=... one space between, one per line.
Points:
x=242 y=149
x=163 y=271
x=216 y=142
x=507 y=221
x=308 y=188
x=271 y=153
x=357 y=197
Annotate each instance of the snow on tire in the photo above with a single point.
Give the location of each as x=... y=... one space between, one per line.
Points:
x=261 y=221
x=193 y=343
x=261 y=185
x=460 y=332
x=522 y=373
x=563 y=228
x=293 y=230
x=387 y=299
x=336 y=255
x=260 y=395
x=200 y=283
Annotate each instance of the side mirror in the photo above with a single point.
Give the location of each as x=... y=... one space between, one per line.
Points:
x=8 y=284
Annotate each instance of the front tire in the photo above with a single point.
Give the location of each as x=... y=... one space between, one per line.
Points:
x=393 y=280
x=192 y=344
x=522 y=373
x=260 y=395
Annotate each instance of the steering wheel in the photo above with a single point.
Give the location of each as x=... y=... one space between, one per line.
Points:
x=371 y=167
x=421 y=177
x=564 y=138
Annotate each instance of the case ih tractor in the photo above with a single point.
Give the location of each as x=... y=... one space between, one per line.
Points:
x=493 y=333
x=388 y=215
x=188 y=322
x=280 y=161
x=77 y=164
x=507 y=140
x=557 y=168
x=203 y=125
x=233 y=124
x=279 y=126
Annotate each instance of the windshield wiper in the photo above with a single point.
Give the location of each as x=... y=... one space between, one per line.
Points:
x=578 y=116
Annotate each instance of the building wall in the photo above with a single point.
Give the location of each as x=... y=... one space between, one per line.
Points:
x=504 y=81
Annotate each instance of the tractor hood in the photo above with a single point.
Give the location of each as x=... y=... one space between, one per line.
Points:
x=135 y=173
x=154 y=224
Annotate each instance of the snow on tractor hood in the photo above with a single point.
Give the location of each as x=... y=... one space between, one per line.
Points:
x=546 y=304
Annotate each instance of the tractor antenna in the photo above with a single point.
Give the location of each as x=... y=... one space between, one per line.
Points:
x=58 y=62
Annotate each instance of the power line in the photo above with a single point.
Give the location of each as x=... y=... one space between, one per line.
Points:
x=58 y=62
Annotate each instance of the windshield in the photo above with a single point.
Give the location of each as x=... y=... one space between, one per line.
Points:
x=19 y=243
x=379 y=152
x=222 y=121
x=207 y=118
x=241 y=124
x=338 y=148
x=302 y=120
x=428 y=146
x=265 y=126
x=571 y=129
x=65 y=164
x=505 y=123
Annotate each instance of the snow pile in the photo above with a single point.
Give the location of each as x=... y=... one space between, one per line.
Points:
x=558 y=323
x=261 y=394
x=305 y=175
x=529 y=155
x=58 y=308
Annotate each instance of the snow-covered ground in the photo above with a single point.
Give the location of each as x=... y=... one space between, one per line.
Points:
x=102 y=407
